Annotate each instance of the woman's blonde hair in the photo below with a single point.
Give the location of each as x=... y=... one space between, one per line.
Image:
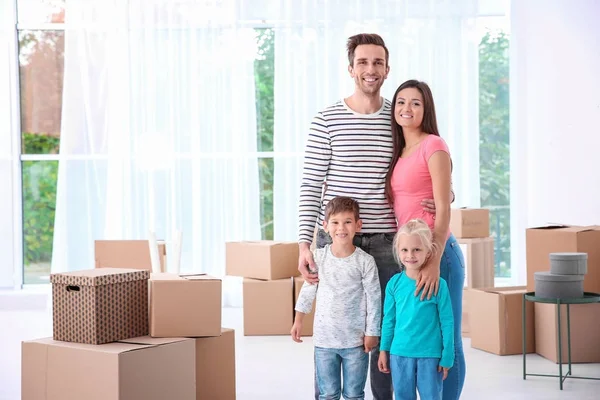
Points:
x=415 y=227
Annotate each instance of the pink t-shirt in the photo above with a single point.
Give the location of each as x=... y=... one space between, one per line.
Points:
x=411 y=181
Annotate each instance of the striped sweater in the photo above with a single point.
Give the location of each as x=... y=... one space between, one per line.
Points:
x=351 y=153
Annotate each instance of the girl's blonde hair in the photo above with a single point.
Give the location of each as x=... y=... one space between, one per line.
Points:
x=415 y=227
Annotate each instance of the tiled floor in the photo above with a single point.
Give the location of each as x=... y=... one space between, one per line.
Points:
x=278 y=368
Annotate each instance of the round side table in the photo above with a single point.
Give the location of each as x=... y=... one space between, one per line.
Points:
x=587 y=298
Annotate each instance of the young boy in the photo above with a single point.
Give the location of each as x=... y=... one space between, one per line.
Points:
x=348 y=314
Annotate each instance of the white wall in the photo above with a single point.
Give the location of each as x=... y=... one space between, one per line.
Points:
x=9 y=162
x=555 y=116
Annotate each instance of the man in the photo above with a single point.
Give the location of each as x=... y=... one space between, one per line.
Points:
x=350 y=148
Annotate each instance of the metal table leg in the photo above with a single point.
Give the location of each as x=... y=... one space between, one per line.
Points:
x=524 y=338
x=560 y=380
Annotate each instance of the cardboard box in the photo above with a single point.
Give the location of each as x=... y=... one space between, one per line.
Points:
x=215 y=367
x=140 y=368
x=185 y=305
x=268 y=306
x=496 y=319
x=479 y=262
x=127 y=254
x=308 y=322
x=465 y=323
x=542 y=241
x=262 y=259
x=99 y=305
x=585 y=331
x=470 y=222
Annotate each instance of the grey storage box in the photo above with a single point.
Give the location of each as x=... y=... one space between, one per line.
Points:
x=555 y=286
x=568 y=263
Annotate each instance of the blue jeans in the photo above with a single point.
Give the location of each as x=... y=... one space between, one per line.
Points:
x=333 y=364
x=412 y=374
x=452 y=269
x=379 y=245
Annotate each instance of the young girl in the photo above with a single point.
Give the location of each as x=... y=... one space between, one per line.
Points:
x=418 y=334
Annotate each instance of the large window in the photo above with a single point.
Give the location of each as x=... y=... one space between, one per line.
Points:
x=41 y=67
x=494 y=153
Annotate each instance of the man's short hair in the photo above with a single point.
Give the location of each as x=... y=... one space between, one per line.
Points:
x=365 y=38
x=342 y=204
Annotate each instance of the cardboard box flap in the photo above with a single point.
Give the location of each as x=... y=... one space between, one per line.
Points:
x=111 y=348
x=504 y=290
x=168 y=277
x=151 y=341
x=99 y=277
x=568 y=228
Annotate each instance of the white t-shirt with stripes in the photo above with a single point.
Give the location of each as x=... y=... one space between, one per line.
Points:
x=351 y=153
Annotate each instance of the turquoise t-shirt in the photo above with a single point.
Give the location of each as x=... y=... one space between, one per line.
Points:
x=417 y=328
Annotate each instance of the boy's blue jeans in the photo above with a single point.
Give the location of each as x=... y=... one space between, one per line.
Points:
x=334 y=364
x=412 y=374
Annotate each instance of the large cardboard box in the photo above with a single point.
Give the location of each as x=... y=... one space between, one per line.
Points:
x=268 y=306
x=139 y=368
x=585 y=332
x=127 y=254
x=264 y=259
x=544 y=240
x=470 y=222
x=479 y=262
x=215 y=367
x=496 y=320
x=185 y=305
x=100 y=305
x=308 y=322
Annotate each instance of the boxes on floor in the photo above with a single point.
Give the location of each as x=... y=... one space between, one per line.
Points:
x=585 y=331
x=542 y=241
x=308 y=322
x=215 y=367
x=479 y=261
x=470 y=222
x=262 y=259
x=268 y=306
x=100 y=305
x=496 y=320
x=138 y=368
x=185 y=305
x=127 y=254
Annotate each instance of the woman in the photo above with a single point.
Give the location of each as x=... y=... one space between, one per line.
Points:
x=420 y=169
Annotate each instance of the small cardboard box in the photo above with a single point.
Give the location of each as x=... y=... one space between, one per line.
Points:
x=127 y=254
x=479 y=262
x=139 y=368
x=215 y=367
x=496 y=320
x=268 y=306
x=470 y=222
x=308 y=322
x=99 y=305
x=585 y=331
x=262 y=259
x=542 y=241
x=185 y=305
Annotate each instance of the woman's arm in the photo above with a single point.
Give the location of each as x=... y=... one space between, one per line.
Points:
x=440 y=168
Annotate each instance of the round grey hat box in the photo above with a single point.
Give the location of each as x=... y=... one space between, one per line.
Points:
x=568 y=263
x=555 y=286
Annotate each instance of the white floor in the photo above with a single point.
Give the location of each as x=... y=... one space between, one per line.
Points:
x=277 y=368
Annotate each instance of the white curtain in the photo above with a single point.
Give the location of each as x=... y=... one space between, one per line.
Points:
x=430 y=40
x=553 y=141
x=158 y=131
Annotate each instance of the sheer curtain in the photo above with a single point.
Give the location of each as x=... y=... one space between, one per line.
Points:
x=158 y=131
x=432 y=40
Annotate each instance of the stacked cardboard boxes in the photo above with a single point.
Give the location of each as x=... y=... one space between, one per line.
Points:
x=585 y=324
x=471 y=227
x=270 y=287
x=187 y=354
